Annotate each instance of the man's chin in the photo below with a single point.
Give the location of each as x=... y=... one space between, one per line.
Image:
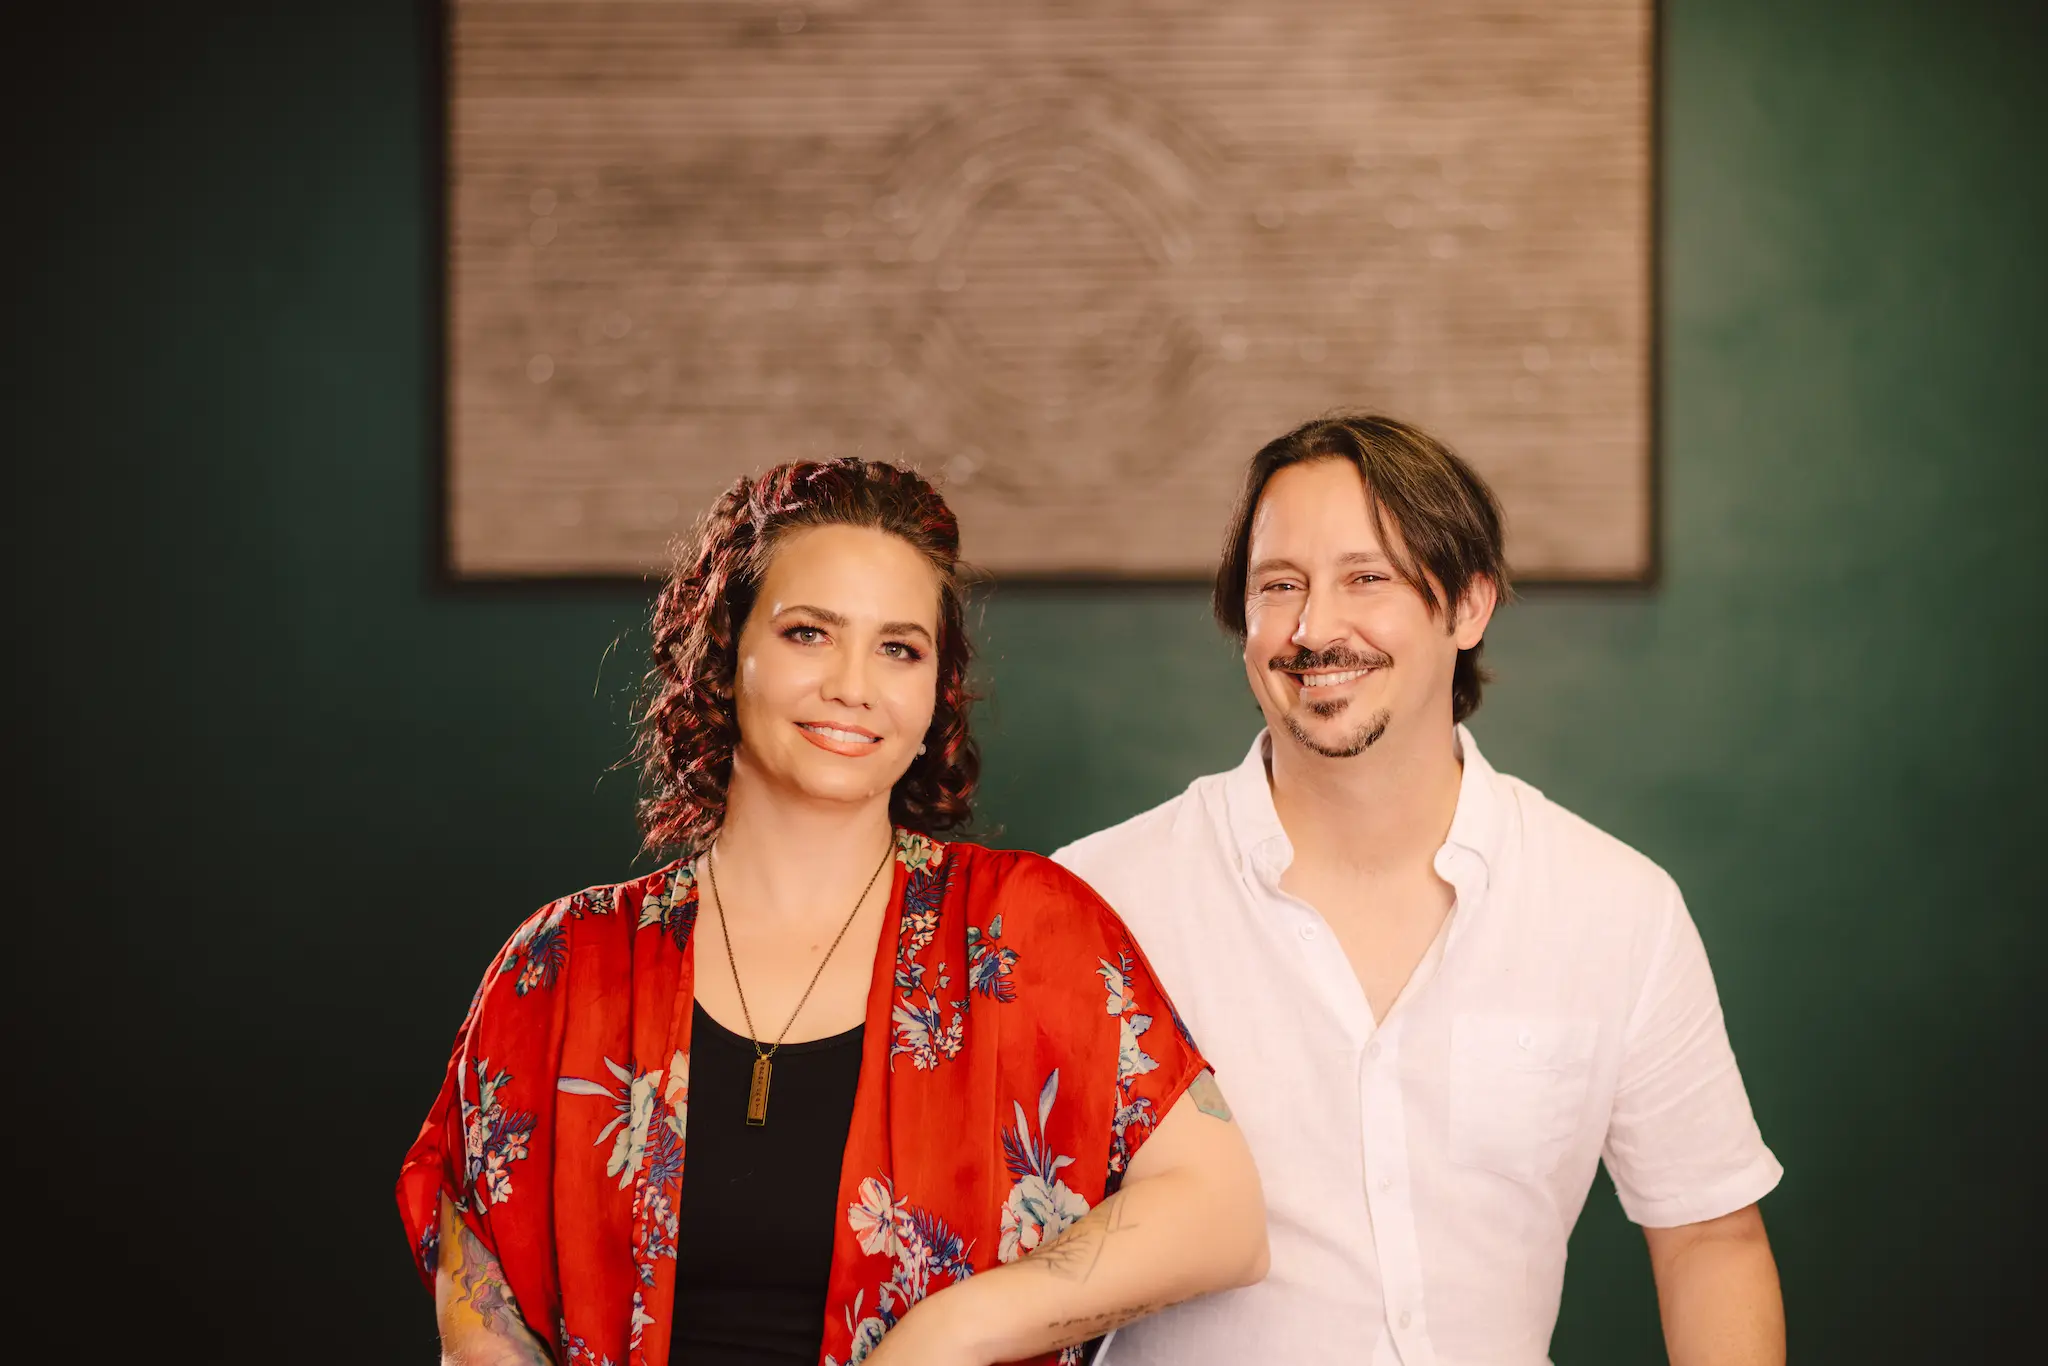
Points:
x=1332 y=739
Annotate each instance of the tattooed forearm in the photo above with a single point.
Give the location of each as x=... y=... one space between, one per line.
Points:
x=1078 y=1330
x=1072 y=1256
x=482 y=1285
x=480 y=1322
x=1208 y=1096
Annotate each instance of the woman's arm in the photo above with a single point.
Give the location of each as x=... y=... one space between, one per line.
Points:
x=1189 y=1219
x=480 y=1324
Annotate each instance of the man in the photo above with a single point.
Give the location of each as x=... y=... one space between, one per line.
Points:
x=1438 y=999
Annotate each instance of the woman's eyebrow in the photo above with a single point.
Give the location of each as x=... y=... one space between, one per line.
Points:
x=826 y=615
x=832 y=618
x=905 y=628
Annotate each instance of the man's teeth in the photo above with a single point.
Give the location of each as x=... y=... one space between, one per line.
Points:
x=1332 y=680
x=849 y=736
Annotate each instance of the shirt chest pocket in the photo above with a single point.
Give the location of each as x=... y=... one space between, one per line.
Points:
x=1518 y=1090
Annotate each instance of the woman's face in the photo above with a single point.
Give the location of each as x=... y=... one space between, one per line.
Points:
x=838 y=665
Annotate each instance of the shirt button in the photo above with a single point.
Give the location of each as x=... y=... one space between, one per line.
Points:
x=1386 y=1183
x=1406 y=1318
x=1308 y=931
x=1372 y=1050
x=1527 y=1040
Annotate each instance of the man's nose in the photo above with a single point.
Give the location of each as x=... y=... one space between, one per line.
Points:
x=1317 y=627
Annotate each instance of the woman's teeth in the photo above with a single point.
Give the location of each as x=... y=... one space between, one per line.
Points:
x=1332 y=680
x=851 y=737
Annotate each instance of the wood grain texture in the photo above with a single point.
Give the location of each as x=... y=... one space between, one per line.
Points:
x=1077 y=260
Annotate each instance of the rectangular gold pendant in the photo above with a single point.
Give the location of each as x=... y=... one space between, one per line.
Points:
x=757 y=1094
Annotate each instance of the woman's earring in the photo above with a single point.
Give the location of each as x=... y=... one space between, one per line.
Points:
x=920 y=749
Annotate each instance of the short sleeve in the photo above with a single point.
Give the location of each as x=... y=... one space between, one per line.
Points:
x=1682 y=1143
x=1157 y=1059
x=481 y=1128
x=435 y=1165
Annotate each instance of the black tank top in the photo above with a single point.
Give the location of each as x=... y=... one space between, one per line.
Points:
x=760 y=1204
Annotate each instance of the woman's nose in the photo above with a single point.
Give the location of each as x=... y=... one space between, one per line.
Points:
x=848 y=680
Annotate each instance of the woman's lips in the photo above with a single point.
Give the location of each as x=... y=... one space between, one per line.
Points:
x=850 y=741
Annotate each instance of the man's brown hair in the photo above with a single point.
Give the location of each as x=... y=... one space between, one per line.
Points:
x=1448 y=519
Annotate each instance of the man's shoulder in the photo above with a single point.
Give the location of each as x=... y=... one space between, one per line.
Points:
x=1141 y=839
x=1578 y=855
x=1142 y=866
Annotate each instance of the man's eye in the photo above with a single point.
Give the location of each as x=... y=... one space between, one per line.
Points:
x=1280 y=586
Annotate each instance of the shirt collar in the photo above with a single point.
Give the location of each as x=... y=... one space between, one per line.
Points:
x=1262 y=843
x=1472 y=847
x=1466 y=859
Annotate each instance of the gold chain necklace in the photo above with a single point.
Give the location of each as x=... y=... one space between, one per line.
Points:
x=757 y=1091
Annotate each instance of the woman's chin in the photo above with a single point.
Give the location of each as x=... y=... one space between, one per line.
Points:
x=852 y=790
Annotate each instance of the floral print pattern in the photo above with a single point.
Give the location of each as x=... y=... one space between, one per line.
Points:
x=537 y=952
x=675 y=911
x=561 y=1129
x=920 y=1250
x=1040 y=1205
x=1135 y=1113
x=494 y=1138
x=922 y=1030
x=989 y=962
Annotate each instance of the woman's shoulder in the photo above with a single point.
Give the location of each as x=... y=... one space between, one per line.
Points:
x=1035 y=927
x=1034 y=894
x=606 y=912
x=1019 y=871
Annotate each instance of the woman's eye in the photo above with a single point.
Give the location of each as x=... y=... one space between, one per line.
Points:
x=909 y=654
x=804 y=635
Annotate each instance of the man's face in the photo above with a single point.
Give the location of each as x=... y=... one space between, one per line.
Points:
x=1339 y=649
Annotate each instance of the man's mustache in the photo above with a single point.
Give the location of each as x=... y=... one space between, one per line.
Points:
x=1336 y=657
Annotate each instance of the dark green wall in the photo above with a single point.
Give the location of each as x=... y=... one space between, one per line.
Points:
x=283 y=796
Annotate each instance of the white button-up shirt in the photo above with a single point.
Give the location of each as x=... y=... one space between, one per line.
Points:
x=1422 y=1175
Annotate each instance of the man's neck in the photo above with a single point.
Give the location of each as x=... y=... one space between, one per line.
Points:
x=1383 y=811
x=783 y=856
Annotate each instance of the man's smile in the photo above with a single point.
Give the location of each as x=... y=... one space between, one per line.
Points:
x=1329 y=678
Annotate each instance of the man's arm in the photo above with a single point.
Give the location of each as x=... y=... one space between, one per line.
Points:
x=1190 y=1218
x=1717 y=1289
x=480 y=1324
x=1683 y=1146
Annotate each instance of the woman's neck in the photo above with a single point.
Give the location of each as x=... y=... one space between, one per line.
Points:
x=782 y=857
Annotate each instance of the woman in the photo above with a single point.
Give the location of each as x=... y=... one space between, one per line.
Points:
x=936 y=1110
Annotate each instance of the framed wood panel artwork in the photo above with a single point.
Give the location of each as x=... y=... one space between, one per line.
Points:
x=1075 y=260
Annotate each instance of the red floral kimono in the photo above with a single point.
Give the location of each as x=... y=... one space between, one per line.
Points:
x=1017 y=1053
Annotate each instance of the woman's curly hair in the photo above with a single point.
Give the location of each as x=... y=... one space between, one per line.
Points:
x=688 y=726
